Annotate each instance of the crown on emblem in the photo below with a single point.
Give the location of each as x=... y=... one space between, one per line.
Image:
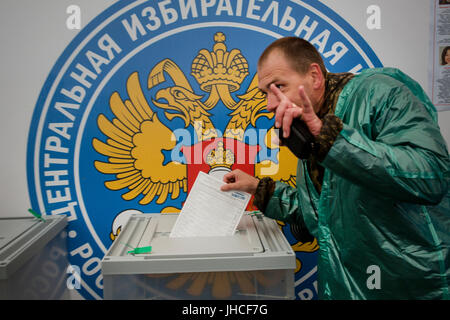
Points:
x=220 y=157
x=219 y=67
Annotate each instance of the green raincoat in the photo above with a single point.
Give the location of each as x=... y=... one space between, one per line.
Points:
x=382 y=219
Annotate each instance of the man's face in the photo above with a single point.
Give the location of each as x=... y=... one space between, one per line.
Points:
x=276 y=70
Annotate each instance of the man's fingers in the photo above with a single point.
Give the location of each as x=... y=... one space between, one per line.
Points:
x=289 y=116
x=228 y=187
x=239 y=180
x=277 y=92
x=279 y=113
x=287 y=121
x=229 y=177
x=231 y=180
x=304 y=97
x=282 y=105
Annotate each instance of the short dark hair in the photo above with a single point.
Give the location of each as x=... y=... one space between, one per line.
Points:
x=299 y=52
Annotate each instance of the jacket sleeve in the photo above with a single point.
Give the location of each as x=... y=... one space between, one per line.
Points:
x=284 y=204
x=396 y=151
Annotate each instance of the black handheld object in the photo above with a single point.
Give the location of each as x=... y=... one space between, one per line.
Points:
x=300 y=141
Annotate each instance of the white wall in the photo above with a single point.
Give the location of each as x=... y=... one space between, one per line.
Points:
x=403 y=40
x=33 y=35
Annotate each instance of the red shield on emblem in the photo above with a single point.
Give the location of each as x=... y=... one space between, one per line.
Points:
x=218 y=156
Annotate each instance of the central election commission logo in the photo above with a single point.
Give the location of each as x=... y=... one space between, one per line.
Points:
x=152 y=92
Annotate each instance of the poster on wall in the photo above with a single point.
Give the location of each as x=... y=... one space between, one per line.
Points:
x=440 y=65
x=143 y=99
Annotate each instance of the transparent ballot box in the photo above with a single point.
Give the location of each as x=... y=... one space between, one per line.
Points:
x=33 y=258
x=257 y=262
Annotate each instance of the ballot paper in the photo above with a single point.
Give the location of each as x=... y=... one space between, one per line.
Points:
x=208 y=211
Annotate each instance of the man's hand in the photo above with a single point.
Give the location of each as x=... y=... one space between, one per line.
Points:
x=241 y=181
x=287 y=111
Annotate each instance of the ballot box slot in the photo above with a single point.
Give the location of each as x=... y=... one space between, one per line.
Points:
x=11 y=229
x=11 y=233
x=149 y=232
x=130 y=236
x=270 y=240
x=14 y=231
x=121 y=243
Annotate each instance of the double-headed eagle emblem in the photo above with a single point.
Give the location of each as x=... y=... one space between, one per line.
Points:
x=136 y=138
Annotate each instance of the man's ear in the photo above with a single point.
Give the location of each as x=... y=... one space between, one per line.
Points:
x=317 y=76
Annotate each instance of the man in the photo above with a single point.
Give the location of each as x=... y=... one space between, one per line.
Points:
x=374 y=192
